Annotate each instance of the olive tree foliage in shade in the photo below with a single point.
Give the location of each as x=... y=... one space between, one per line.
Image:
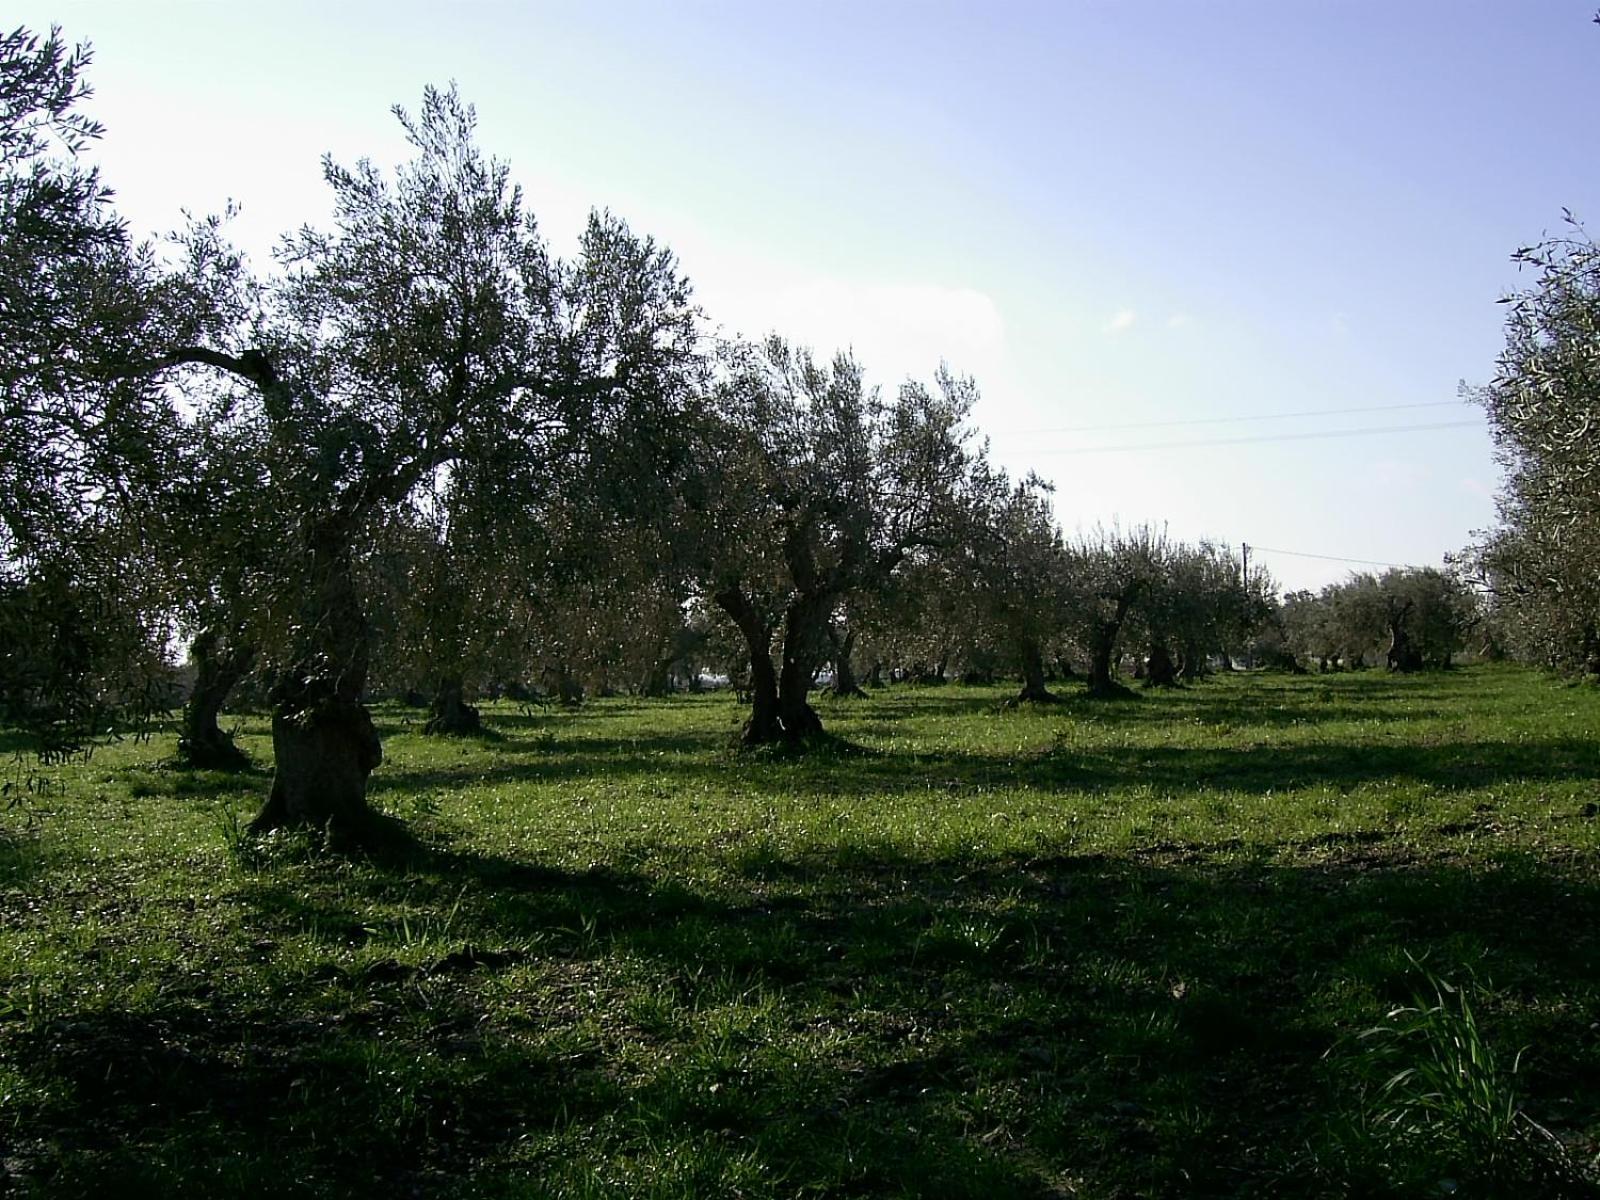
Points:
x=1428 y=614
x=1197 y=607
x=1542 y=563
x=577 y=502
x=820 y=488
x=1306 y=631
x=222 y=538
x=383 y=348
x=1109 y=572
x=82 y=625
x=1410 y=618
x=1017 y=563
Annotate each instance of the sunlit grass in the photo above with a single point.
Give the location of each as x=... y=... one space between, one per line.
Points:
x=1090 y=949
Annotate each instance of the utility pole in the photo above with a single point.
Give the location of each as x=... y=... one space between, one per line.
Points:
x=1244 y=586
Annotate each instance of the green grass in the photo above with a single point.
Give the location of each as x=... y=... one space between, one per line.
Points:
x=1101 y=950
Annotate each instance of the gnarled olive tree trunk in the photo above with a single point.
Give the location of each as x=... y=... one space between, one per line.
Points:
x=845 y=684
x=658 y=679
x=1159 y=669
x=1192 y=663
x=1102 y=646
x=220 y=663
x=779 y=706
x=1103 y=633
x=448 y=711
x=323 y=741
x=805 y=639
x=1403 y=654
x=1034 y=689
x=567 y=687
x=763 y=725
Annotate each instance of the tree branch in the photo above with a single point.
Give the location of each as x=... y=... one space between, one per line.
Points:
x=253 y=365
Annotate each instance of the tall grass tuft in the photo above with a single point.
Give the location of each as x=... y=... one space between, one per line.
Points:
x=1441 y=1115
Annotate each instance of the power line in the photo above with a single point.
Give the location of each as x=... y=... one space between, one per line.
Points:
x=1270 y=437
x=1365 y=562
x=1310 y=412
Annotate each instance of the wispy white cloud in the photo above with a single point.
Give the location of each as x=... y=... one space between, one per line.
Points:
x=1179 y=321
x=1122 y=322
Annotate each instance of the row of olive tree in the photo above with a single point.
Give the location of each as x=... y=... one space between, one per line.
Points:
x=1014 y=592
x=419 y=449
x=1408 y=619
x=195 y=448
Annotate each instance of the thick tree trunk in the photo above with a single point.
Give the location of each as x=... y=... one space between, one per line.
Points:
x=875 y=674
x=1589 y=651
x=1159 y=669
x=450 y=714
x=219 y=666
x=1402 y=655
x=805 y=636
x=560 y=679
x=658 y=680
x=1034 y=690
x=845 y=684
x=323 y=755
x=324 y=745
x=1102 y=647
x=763 y=725
x=1192 y=664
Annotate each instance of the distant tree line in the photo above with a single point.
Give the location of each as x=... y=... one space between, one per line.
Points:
x=421 y=455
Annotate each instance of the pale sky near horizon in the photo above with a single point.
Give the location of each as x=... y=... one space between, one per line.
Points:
x=1108 y=214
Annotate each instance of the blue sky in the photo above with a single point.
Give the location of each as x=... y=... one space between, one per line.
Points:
x=1131 y=214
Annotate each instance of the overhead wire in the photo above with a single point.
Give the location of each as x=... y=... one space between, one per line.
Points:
x=1234 y=420
x=1255 y=438
x=1365 y=562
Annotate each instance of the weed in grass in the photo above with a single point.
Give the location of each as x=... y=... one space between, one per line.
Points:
x=1441 y=1114
x=429 y=932
x=237 y=839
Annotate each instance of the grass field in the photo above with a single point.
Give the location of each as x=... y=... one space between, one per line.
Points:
x=1103 y=950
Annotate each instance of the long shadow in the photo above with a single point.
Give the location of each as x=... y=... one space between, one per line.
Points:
x=1166 y=1023
x=1447 y=765
x=1454 y=765
x=924 y=703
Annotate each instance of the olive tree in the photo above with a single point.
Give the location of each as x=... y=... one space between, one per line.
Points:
x=818 y=488
x=1196 y=607
x=1544 y=558
x=1110 y=571
x=82 y=620
x=1018 y=566
x=371 y=361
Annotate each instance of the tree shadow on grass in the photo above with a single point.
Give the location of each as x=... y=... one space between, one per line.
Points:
x=862 y=1019
x=923 y=704
x=1450 y=765
x=692 y=758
